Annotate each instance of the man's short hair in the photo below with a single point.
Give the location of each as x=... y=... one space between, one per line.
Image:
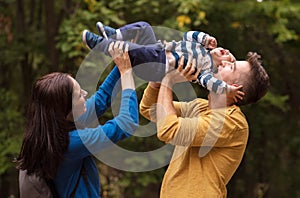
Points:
x=256 y=82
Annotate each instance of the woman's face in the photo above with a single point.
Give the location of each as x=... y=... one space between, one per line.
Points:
x=78 y=100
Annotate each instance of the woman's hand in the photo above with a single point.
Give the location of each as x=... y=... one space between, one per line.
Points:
x=122 y=60
x=120 y=56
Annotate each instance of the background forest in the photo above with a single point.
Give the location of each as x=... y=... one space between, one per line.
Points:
x=38 y=37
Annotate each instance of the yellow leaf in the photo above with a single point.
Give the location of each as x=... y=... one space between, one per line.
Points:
x=182 y=20
x=235 y=25
x=201 y=15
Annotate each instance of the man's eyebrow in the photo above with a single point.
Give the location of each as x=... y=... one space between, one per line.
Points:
x=234 y=65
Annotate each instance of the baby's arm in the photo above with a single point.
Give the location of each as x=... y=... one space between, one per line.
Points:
x=234 y=92
x=208 y=81
x=204 y=39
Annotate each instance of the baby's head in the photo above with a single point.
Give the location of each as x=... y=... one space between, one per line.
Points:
x=220 y=54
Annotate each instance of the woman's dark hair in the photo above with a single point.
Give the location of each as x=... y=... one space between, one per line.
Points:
x=46 y=134
x=256 y=82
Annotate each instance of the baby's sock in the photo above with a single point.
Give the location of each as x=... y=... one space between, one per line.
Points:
x=114 y=33
x=108 y=31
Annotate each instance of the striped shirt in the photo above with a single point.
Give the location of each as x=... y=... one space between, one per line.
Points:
x=193 y=44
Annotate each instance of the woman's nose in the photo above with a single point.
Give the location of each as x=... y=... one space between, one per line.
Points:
x=85 y=93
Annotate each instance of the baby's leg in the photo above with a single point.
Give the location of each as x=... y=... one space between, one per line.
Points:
x=94 y=41
x=141 y=32
x=149 y=61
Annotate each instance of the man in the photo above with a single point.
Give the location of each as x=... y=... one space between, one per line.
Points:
x=210 y=136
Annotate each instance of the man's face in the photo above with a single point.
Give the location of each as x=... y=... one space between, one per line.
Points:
x=230 y=72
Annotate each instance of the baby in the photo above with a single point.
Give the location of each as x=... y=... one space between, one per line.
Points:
x=155 y=59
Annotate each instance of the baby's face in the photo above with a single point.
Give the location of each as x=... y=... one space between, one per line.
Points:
x=220 y=54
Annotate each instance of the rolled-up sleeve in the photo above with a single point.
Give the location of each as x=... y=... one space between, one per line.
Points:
x=148 y=103
x=198 y=126
x=167 y=128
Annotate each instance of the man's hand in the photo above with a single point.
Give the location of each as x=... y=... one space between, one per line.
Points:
x=183 y=73
x=154 y=84
x=188 y=71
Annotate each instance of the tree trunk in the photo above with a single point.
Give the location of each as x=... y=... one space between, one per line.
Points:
x=26 y=68
x=51 y=33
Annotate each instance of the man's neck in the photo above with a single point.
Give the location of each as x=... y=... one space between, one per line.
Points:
x=216 y=101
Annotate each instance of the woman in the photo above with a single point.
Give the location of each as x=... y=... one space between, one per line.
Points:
x=54 y=149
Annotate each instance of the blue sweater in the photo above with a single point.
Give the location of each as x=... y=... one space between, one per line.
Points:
x=88 y=141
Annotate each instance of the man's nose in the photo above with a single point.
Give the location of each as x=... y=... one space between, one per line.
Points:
x=223 y=64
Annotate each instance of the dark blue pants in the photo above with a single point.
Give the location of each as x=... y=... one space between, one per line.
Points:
x=148 y=57
x=142 y=30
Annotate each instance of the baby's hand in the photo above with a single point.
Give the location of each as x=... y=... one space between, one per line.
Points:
x=234 y=92
x=211 y=42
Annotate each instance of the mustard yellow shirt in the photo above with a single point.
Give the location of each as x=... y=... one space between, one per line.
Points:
x=209 y=146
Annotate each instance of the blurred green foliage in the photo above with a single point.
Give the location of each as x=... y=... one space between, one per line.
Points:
x=10 y=129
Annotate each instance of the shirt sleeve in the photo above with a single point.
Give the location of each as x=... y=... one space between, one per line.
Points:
x=208 y=81
x=195 y=36
x=217 y=128
x=114 y=130
x=148 y=103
